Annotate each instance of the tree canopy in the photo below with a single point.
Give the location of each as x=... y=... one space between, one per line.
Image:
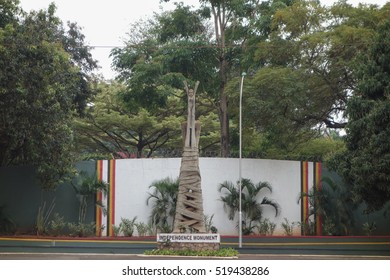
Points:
x=44 y=81
x=366 y=162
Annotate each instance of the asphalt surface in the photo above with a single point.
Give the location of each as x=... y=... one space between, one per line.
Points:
x=254 y=248
x=87 y=256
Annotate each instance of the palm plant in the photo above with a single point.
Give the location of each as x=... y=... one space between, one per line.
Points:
x=334 y=204
x=252 y=209
x=86 y=187
x=163 y=199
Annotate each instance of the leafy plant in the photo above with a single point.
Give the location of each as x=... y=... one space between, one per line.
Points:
x=334 y=203
x=266 y=227
x=369 y=228
x=223 y=252
x=287 y=227
x=86 y=187
x=43 y=217
x=142 y=228
x=252 y=209
x=57 y=225
x=116 y=230
x=163 y=199
x=127 y=226
x=208 y=222
x=307 y=227
x=82 y=230
x=165 y=228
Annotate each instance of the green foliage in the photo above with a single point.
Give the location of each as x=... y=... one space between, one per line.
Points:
x=266 y=227
x=308 y=227
x=334 y=203
x=142 y=228
x=43 y=81
x=43 y=216
x=180 y=45
x=82 y=229
x=116 y=230
x=369 y=228
x=9 y=10
x=57 y=225
x=163 y=199
x=303 y=75
x=127 y=226
x=365 y=164
x=113 y=129
x=252 y=209
x=288 y=227
x=224 y=252
x=86 y=187
x=180 y=24
x=208 y=224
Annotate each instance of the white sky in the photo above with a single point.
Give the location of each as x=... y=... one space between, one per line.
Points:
x=105 y=23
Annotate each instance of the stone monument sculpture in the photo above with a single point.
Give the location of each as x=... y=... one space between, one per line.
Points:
x=189 y=230
x=189 y=206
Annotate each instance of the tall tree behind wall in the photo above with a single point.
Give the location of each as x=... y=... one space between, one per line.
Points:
x=208 y=50
x=366 y=162
x=44 y=81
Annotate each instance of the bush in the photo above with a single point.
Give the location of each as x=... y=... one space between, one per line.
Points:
x=82 y=230
x=57 y=225
x=288 y=228
x=127 y=226
x=266 y=227
x=224 y=252
x=142 y=228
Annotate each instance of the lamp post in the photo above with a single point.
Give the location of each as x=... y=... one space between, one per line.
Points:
x=240 y=166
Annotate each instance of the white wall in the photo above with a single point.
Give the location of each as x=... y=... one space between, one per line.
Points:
x=134 y=176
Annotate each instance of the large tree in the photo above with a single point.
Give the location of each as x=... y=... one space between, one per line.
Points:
x=310 y=59
x=206 y=50
x=302 y=76
x=43 y=81
x=112 y=128
x=366 y=162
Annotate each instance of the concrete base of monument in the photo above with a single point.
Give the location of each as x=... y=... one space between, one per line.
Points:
x=188 y=241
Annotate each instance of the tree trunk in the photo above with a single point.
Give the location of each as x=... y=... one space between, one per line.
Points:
x=224 y=123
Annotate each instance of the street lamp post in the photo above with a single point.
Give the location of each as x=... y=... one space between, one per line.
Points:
x=240 y=166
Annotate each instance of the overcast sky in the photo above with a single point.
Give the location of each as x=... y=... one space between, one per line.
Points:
x=105 y=23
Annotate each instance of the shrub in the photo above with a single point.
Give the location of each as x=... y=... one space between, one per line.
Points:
x=266 y=227
x=142 y=228
x=81 y=229
x=57 y=225
x=288 y=228
x=127 y=226
x=224 y=252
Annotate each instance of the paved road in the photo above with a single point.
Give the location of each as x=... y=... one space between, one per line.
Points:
x=254 y=248
x=87 y=256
